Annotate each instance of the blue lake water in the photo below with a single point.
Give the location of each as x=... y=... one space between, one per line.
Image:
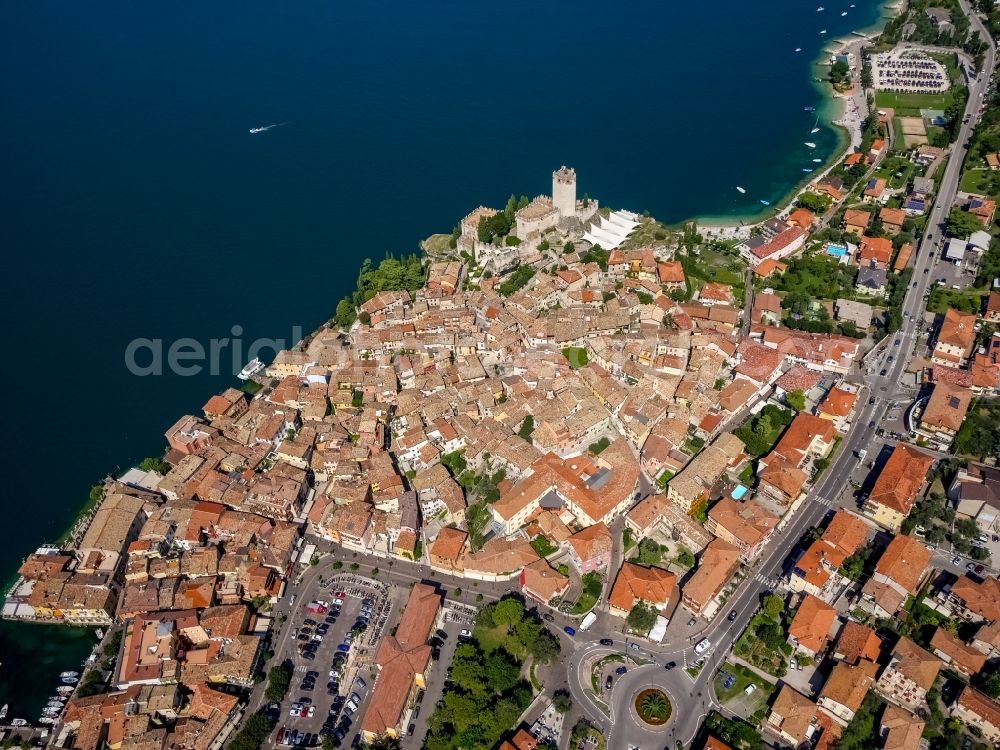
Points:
x=136 y=204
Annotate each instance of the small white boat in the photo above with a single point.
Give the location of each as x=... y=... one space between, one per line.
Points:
x=843 y=14
x=65 y=690
x=798 y=49
x=264 y=128
x=806 y=169
x=810 y=144
x=18 y=722
x=57 y=699
x=740 y=189
x=814 y=130
x=70 y=680
x=823 y=31
x=817 y=161
x=3 y=711
x=43 y=720
x=820 y=9
x=764 y=202
x=69 y=674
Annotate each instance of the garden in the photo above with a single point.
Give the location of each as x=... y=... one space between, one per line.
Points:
x=764 y=643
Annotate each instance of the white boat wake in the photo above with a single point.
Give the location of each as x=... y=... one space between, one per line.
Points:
x=265 y=128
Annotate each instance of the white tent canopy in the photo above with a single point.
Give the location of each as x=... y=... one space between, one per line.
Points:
x=613 y=230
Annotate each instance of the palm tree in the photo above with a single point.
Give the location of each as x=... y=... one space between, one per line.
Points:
x=655 y=706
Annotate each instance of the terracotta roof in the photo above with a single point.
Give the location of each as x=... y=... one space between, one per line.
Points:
x=892 y=216
x=792 y=713
x=769 y=266
x=979 y=704
x=591 y=542
x=878 y=249
x=778 y=243
x=838 y=402
x=748 y=522
x=449 y=544
x=901 y=479
x=801 y=217
x=846 y=531
x=965 y=657
x=756 y=361
x=635 y=582
x=812 y=622
x=946 y=407
x=981 y=598
x=958 y=329
x=400 y=658
x=717 y=563
x=902 y=257
x=670 y=272
x=799 y=378
x=847 y=685
x=905 y=561
x=857 y=642
x=903 y=730
x=542 y=581
x=918 y=665
x=856 y=218
x=714 y=743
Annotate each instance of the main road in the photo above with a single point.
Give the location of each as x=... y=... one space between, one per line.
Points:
x=692 y=697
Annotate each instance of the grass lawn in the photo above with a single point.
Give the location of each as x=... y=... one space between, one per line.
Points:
x=981 y=181
x=437 y=244
x=909 y=105
x=543 y=546
x=743 y=678
x=490 y=639
x=896 y=166
x=963 y=300
x=576 y=356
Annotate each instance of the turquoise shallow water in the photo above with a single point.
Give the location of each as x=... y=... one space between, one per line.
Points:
x=136 y=204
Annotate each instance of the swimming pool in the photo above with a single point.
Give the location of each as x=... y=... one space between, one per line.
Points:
x=738 y=492
x=836 y=251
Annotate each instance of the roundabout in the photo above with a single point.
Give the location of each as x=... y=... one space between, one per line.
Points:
x=653 y=706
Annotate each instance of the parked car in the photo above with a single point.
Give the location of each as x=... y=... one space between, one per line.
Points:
x=621 y=670
x=569 y=631
x=670 y=665
x=465 y=634
x=702 y=646
x=607 y=682
x=749 y=690
x=607 y=642
x=633 y=647
x=733 y=615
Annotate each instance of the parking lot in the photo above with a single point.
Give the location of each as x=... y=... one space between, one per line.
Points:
x=333 y=644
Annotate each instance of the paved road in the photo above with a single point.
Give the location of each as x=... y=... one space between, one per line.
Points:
x=692 y=698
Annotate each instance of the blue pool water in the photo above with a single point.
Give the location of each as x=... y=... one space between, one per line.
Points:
x=836 y=251
x=738 y=492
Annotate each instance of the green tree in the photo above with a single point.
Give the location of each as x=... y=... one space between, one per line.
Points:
x=641 y=617
x=772 y=606
x=278 y=680
x=154 y=464
x=685 y=558
x=796 y=400
x=546 y=647
x=507 y=612
x=345 y=314
x=654 y=706
x=962 y=223
x=527 y=427
x=561 y=701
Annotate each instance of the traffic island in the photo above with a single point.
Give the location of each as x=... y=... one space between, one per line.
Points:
x=653 y=707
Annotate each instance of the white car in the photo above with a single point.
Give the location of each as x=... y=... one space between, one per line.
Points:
x=465 y=634
x=749 y=689
x=703 y=645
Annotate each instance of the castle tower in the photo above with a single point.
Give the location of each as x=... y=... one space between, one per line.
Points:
x=564 y=191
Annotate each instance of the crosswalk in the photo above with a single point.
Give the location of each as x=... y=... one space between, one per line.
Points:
x=770 y=582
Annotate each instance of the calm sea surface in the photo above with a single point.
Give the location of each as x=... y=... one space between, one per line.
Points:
x=136 y=204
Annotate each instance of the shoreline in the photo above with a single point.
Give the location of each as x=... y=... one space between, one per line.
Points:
x=847 y=126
